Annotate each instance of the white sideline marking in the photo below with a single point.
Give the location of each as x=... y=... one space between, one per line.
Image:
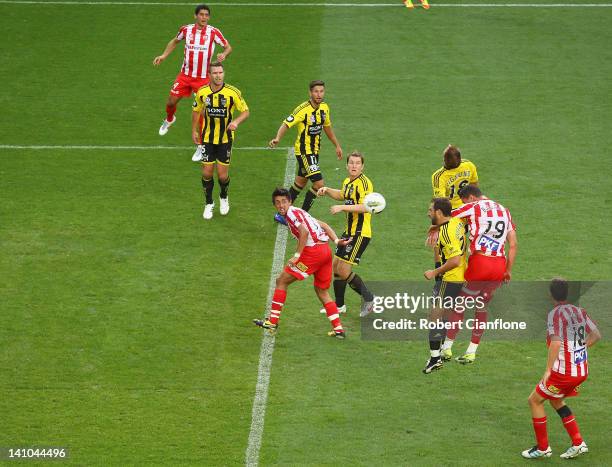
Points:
x=267 y=344
x=364 y=5
x=130 y=148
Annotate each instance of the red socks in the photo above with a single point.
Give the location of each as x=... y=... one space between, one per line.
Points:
x=481 y=320
x=170 y=111
x=453 y=330
x=570 y=425
x=334 y=317
x=278 y=300
x=539 y=426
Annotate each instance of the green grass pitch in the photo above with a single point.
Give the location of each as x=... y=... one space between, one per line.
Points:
x=126 y=332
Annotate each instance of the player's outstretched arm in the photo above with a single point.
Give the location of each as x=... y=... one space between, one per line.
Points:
x=332 y=235
x=226 y=51
x=336 y=208
x=331 y=192
x=332 y=137
x=167 y=51
x=279 y=135
x=512 y=248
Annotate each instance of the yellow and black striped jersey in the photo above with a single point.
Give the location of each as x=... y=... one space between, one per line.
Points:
x=447 y=182
x=310 y=123
x=217 y=108
x=353 y=192
x=451 y=243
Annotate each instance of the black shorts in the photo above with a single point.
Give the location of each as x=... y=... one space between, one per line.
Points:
x=220 y=153
x=351 y=252
x=445 y=289
x=308 y=167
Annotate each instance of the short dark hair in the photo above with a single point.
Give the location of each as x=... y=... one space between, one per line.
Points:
x=442 y=204
x=279 y=191
x=452 y=157
x=469 y=190
x=559 y=289
x=216 y=64
x=201 y=7
x=355 y=154
x=316 y=82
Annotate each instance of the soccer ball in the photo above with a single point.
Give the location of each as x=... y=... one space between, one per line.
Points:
x=374 y=203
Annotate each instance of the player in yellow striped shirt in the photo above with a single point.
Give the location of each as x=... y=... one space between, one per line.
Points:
x=311 y=117
x=454 y=175
x=451 y=177
x=213 y=125
x=452 y=247
x=358 y=227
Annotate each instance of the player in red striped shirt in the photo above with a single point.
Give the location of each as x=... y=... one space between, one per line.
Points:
x=200 y=39
x=570 y=333
x=490 y=227
x=313 y=257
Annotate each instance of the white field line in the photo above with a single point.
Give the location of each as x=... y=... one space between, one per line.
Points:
x=339 y=5
x=132 y=148
x=267 y=344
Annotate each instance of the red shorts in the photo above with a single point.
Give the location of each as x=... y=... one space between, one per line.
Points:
x=315 y=260
x=558 y=386
x=484 y=274
x=184 y=85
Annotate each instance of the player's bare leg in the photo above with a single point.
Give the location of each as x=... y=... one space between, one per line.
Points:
x=332 y=312
x=311 y=195
x=170 y=111
x=208 y=183
x=538 y=417
x=224 y=180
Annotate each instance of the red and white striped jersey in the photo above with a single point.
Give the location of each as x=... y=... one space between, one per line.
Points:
x=490 y=223
x=296 y=217
x=572 y=325
x=199 y=48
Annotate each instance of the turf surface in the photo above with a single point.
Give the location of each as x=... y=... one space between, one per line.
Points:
x=127 y=334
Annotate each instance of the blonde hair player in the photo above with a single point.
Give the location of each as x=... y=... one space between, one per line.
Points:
x=358 y=228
